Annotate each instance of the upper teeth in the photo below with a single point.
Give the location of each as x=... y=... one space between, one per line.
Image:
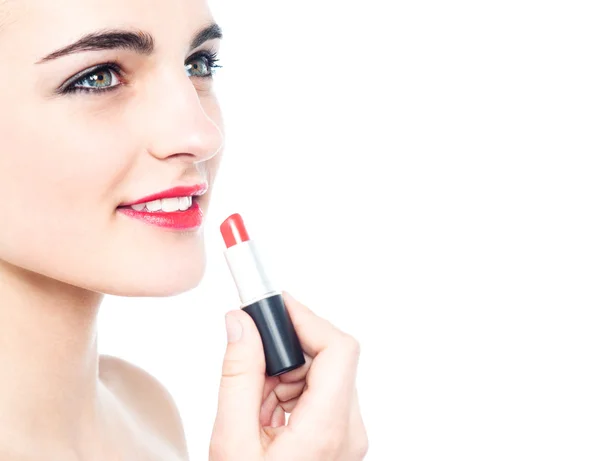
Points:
x=165 y=204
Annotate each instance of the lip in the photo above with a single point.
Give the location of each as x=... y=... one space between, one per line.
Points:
x=188 y=220
x=179 y=191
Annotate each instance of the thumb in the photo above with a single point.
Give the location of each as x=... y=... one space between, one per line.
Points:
x=242 y=382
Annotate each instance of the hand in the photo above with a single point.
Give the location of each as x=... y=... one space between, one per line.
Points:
x=325 y=423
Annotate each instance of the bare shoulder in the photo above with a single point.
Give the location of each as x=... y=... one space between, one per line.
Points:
x=147 y=398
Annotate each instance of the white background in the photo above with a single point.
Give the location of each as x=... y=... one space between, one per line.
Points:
x=423 y=174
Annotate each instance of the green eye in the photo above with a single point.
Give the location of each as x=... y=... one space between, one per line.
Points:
x=199 y=68
x=103 y=78
x=99 y=79
x=107 y=77
x=202 y=65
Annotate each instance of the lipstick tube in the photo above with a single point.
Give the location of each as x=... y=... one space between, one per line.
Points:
x=261 y=300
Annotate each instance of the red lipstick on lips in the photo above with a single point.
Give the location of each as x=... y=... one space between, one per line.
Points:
x=180 y=191
x=261 y=300
x=179 y=220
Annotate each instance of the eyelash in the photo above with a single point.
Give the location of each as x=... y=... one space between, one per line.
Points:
x=211 y=59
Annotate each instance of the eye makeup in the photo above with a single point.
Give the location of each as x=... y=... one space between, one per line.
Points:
x=110 y=68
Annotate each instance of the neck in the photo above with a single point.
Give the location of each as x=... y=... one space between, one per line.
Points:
x=49 y=387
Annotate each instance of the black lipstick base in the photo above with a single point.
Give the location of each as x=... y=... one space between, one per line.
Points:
x=282 y=348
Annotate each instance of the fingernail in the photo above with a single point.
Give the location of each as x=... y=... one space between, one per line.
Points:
x=234 y=328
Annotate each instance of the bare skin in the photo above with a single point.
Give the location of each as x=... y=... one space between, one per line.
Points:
x=68 y=161
x=60 y=400
x=144 y=411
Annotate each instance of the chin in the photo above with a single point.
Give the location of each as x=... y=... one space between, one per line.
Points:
x=179 y=283
x=179 y=279
x=161 y=276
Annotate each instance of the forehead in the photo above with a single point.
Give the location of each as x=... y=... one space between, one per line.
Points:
x=49 y=24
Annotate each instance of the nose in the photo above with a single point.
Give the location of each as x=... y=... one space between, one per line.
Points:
x=181 y=121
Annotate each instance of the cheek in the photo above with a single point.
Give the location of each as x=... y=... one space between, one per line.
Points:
x=58 y=179
x=67 y=172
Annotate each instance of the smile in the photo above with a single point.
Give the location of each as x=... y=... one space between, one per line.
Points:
x=177 y=208
x=167 y=205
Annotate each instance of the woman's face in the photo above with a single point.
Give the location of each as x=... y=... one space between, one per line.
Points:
x=68 y=159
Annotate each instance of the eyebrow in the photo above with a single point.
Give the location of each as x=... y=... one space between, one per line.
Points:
x=139 y=41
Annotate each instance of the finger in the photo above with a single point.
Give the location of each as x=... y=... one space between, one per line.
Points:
x=331 y=381
x=299 y=374
x=326 y=402
x=279 y=396
x=289 y=391
x=278 y=417
x=314 y=332
x=269 y=401
x=268 y=408
x=318 y=335
x=273 y=432
x=270 y=383
x=242 y=382
x=290 y=405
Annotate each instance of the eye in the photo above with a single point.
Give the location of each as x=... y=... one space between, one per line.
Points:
x=202 y=64
x=102 y=78
x=105 y=77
